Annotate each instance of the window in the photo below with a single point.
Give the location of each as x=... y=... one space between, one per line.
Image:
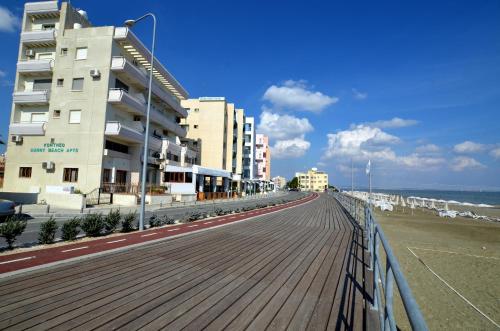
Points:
x=77 y=84
x=121 y=85
x=117 y=147
x=42 y=84
x=75 y=116
x=196 y=110
x=70 y=175
x=25 y=172
x=196 y=126
x=174 y=177
x=56 y=114
x=81 y=53
x=38 y=117
x=48 y=26
x=106 y=176
x=121 y=177
x=64 y=51
x=60 y=82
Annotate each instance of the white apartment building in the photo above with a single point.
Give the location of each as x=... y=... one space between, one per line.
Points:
x=79 y=107
x=249 y=165
x=262 y=157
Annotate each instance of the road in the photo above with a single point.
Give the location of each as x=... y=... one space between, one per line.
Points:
x=30 y=235
x=298 y=268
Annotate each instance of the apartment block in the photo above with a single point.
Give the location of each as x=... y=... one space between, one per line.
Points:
x=249 y=165
x=79 y=107
x=279 y=182
x=220 y=127
x=312 y=180
x=262 y=157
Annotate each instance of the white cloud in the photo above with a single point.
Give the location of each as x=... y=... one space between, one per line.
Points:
x=278 y=126
x=296 y=95
x=8 y=21
x=469 y=147
x=429 y=148
x=396 y=122
x=420 y=162
x=361 y=142
x=495 y=153
x=461 y=163
x=359 y=95
x=290 y=148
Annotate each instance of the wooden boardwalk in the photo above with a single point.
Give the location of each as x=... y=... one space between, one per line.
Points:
x=300 y=268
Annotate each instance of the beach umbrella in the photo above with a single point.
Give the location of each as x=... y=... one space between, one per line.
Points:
x=403 y=202
x=433 y=204
x=446 y=206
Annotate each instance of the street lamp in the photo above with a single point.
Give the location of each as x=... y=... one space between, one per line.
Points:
x=130 y=24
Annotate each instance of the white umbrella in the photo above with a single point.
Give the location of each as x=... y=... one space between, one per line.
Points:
x=403 y=202
x=446 y=206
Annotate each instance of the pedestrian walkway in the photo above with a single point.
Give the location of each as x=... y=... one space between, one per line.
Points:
x=298 y=268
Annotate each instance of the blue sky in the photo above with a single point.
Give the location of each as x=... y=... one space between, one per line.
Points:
x=413 y=86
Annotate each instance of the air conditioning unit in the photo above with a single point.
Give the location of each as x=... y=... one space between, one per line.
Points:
x=17 y=139
x=161 y=166
x=95 y=73
x=30 y=53
x=48 y=165
x=156 y=155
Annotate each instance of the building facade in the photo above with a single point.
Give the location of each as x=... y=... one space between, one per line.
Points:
x=279 y=182
x=262 y=157
x=312 y=180
x=79 y=107
x=249 y=165
x=220 y=127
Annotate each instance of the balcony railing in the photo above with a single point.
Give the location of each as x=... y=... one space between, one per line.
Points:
x=41 y=8
x=35 y=66
x=39 y=37
x=31 y=97
x=27 y=129
x=115 y=128
x=123 y=99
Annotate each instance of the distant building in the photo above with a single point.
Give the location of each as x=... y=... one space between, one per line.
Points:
x=249 y=165
x=312 y=180
x=2 y=169
x=279 y=182
x=263 y=157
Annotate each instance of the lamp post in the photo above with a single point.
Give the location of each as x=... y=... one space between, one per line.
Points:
x=130 y=23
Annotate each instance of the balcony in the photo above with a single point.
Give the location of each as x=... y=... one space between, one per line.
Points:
x=42 y=8
x=35 y=66
x=123 y=100
x=164 y=121
x=123 y=132
x=136 y=76
x=37 y=97
x=39 y=38
x=27 y=129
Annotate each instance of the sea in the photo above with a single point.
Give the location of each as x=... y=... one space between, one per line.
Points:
x=475 y=197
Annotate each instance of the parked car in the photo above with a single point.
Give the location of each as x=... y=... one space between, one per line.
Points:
x=7 y=208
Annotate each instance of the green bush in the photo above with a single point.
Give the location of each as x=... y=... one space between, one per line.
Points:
x=47 y=232
x=194 y=216
x=128 y=223
x=70 y=229
x=165 y=220
x=112 y=220
x=93 y=224
x=13 y=227
x=154 y=221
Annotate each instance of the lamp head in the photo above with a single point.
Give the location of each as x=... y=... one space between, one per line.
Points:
x=129 y=23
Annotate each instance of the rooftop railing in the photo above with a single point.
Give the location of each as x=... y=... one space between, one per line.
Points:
x=383 y=278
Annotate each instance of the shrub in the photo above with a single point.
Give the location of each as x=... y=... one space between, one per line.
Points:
x=128 y=223
x=219 y=212
x=92 y=225
x=48 y=231
x=194 y=216
x=165 y=219
x=112 y=220
x=70 y=229
x=154 y=221
x=12 y=228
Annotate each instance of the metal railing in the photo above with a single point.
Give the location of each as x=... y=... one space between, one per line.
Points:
x=383 y=278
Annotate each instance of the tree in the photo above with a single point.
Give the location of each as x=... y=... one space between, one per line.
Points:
x=294 y=183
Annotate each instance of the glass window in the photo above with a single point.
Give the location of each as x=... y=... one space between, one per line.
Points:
x=81 y=53
x=56 y=113
x=25 y=172
x=70 y=175
x=64 y=51
x=77 y=84
x=38 y=117
x=60 y=82
x=75 y=116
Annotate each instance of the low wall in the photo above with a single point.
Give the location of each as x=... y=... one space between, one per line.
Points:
x=63 y=200
x=188 y=198
x=124 y=199
x=158 y=199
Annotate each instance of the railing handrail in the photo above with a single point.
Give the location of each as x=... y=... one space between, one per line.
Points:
x=393 y=272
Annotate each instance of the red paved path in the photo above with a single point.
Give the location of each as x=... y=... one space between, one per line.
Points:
x=33 y=258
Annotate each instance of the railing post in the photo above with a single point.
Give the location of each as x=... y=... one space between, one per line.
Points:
x=389 y=323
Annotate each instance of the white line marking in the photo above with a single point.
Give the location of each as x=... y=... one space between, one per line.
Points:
x=17 y=260
x=456 y=292
x=192 y=226
x=210 y=222
x=232 y=217
x=74 y=249
x=149 y=234
x=115 y=241
x=458 y=253
x=173 y=230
